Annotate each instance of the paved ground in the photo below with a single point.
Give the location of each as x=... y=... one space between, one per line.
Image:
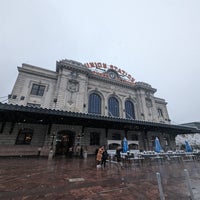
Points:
x=79 y=179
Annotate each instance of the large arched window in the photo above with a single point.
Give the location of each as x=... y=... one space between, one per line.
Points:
x=129 y=108
x=113 y=107
x=94 y=104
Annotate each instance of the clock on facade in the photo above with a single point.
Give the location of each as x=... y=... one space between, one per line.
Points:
x=112 y=75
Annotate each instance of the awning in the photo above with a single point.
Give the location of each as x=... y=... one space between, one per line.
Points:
x=26 y=114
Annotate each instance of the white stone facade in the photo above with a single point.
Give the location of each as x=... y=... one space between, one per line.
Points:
x=68 y=88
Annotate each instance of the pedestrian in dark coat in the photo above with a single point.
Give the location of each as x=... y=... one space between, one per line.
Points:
x=104 y=158
x=118 y=153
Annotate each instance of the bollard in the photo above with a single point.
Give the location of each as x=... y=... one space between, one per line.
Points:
x=189 y=184
x=39 y=151
x=85 y=154
x=50 y=155
x=162 y=197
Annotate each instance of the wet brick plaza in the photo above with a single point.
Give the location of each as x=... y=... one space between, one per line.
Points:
x=79 y=179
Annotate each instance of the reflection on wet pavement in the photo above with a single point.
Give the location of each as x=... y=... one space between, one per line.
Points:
x=78 y=179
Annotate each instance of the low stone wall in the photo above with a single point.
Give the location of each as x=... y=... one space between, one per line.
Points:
x=19 y=150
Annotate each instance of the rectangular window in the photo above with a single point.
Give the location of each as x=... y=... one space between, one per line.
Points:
x=37 y=90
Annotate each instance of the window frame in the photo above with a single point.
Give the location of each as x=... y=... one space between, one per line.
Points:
x=24 y=136
x=94 y=104
x=37 y=89
x=113 y=107
x=128 y=108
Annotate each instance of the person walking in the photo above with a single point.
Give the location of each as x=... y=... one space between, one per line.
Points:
x=99 y=156
x=81 y=152
x=118 y=153
x=104 y=158
x=77 y=150
x=70 y=151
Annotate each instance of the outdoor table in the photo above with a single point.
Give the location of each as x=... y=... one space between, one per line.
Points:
x=179 y=154
x=157 y=158
x=148 y=155
x=175 y=158
x=148 y=158
x=133 y=160
x=139 y=160
x=123 y=155
x=189 y=157
x=197 y=156
x=111 y=156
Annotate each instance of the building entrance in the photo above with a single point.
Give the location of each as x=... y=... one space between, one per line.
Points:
x=64 y=143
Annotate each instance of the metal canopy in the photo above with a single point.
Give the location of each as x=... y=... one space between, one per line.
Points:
x=26 y=114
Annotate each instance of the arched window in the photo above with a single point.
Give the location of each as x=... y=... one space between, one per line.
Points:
x=113 y=107
x=94 y=104
x=129 y=108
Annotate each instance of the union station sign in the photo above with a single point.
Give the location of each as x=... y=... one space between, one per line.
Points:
x=110 y=71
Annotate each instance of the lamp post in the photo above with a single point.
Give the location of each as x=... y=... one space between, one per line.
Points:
x=79 y=149
x=53 y=136
x=51 y=152
x=79 y=137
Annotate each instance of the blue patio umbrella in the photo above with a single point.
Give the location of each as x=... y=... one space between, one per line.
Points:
x=158 y=147
x=124 y=145
x=188 y=148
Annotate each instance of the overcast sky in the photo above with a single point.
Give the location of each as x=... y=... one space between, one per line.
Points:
x=156 y=41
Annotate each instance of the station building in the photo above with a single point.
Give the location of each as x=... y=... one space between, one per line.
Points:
x=82 y=105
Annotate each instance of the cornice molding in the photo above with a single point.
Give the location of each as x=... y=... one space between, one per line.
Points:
x=38 y=72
